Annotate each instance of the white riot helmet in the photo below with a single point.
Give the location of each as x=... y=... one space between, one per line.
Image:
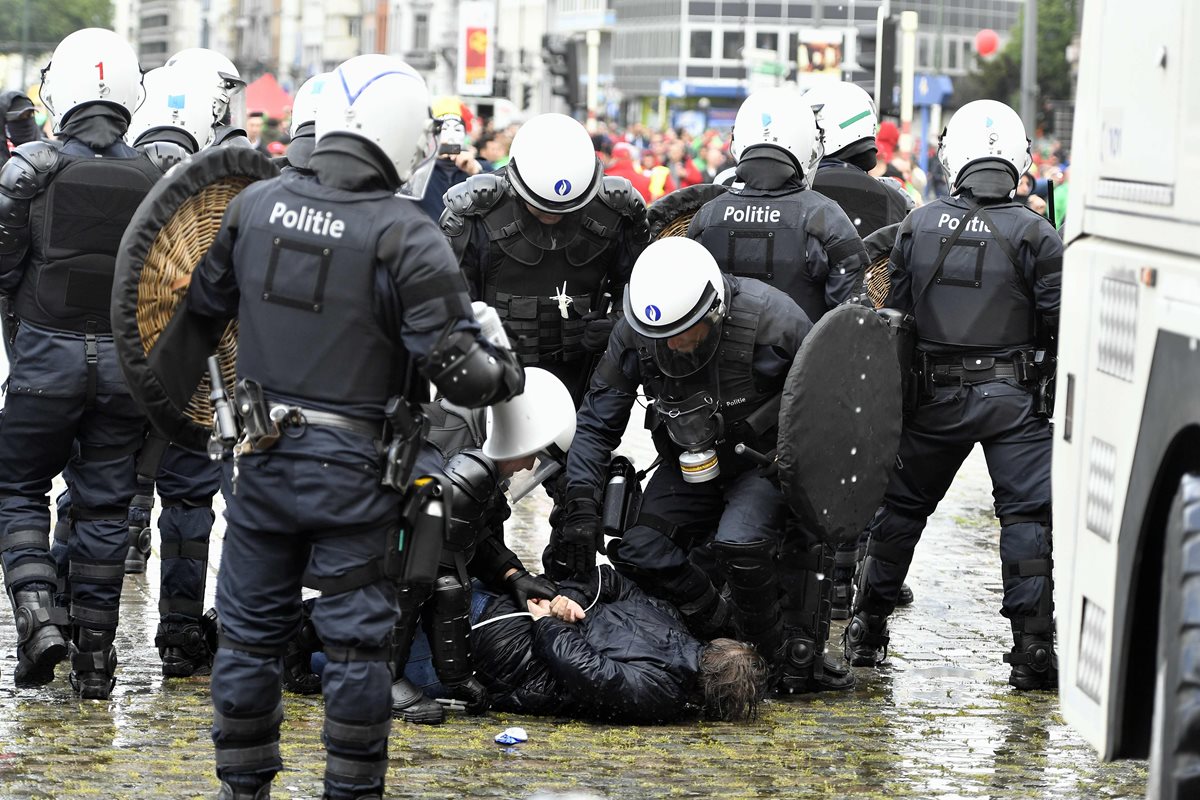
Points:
x=538 y=422
x=304 y=105
x=780 y=118
x=675 y=285
x=225 y=80
x=845 y=113
x=92 y=65
x=984 y=130
x=552 y=164
x=382 y=100
x=175 y=99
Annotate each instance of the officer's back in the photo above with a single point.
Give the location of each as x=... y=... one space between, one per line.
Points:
x=768 y=226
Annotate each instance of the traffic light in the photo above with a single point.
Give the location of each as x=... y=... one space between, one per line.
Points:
x=562 y=62
x=527 y=95
x=877 y=57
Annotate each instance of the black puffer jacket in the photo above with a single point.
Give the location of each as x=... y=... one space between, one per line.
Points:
x=631 y=660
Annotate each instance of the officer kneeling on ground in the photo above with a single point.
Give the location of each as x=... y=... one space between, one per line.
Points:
x=981 y=276
x=339 y=287
x=711 y=351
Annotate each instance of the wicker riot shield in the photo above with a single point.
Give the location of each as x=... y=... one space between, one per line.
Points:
x=167 y=237
x=670 y=214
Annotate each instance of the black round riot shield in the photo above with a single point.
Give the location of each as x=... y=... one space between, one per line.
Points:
x=670 y=214
x=167 y=237
x=839 y=423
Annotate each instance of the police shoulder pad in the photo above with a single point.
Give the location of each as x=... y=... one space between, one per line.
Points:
x=164 y=155
x=476 y=194
x=29 y=170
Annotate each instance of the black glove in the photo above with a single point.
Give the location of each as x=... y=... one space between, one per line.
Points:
x=522 y=586
x=472 y=693
x=580 y=538
x=597 y=328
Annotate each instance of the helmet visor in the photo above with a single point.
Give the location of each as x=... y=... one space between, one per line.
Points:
x=687 y=352
x=418 y=181
x=522 y=483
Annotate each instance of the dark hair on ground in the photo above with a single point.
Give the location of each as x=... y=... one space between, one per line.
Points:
x=733 y=678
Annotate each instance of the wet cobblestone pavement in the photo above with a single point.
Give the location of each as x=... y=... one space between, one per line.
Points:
x=937 y=721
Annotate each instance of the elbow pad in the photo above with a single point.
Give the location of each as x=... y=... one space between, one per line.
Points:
x=468 y=375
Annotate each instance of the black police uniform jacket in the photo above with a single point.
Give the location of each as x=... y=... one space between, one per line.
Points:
x=630 y=660
x=994 y=287
x=520 y=266
x=871 y=203
x=761 y=333
x=337 y=291
x=774 y=230
x=64 y=207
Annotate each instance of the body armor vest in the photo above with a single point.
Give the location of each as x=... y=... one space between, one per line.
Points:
x=306 y=269
x=729 y=376
x=760 y=234
x=978 y=299
x=867 y=202
x=75 y=227
x=525 y=280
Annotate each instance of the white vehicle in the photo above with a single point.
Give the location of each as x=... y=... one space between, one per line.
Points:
x=1127 y=423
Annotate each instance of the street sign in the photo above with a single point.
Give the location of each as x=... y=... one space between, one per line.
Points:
x=672 y=88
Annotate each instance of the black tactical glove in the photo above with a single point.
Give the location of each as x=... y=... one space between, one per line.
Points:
x=580 y=538
x=472 y=693
x=523 y=586
x=596 y=331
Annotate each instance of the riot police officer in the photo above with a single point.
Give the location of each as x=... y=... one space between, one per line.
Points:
x=768 y=226
x=549 y=243
x=63 y=208
x=304 y=121
x=848 y=120
x=338 y=285
x=529 y=434
x=981 y=276
x=711 y=351
x=226 y=84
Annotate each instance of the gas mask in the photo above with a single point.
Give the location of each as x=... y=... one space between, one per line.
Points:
x=695 y=427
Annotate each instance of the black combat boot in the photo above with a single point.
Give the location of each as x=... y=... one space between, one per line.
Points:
x=183 y=648
x=803 y=665
x=865 y=639
x=40 y=642
x=408 y=702
x=1033 y=659
x=905 y=598
x=139 y=549
x=230 y=793
x=93 y=664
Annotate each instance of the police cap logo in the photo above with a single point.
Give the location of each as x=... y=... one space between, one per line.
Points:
x=653 y=313
x=562 y=188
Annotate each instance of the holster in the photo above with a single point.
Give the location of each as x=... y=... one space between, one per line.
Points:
x=261 y=432
x=622 y=497
x=413 y=555
x=406 y=428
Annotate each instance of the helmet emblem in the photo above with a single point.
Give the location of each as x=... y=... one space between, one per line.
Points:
x=176 y=101
x=766 y=120
x=993 y=137
x=105 y=91
x=562 y=188
x=653 y=313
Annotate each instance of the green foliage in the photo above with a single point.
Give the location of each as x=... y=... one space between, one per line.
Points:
x=50 y=21
x=999 y=78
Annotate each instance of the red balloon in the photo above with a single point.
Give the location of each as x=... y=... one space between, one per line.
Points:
x=986 y=42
